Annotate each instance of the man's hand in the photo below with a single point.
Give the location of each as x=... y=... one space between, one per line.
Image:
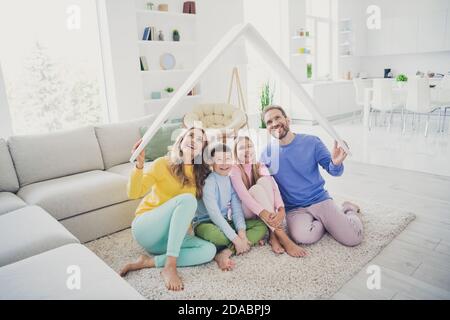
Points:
x=338 y=155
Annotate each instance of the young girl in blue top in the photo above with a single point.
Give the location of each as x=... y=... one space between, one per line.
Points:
x=220 y=218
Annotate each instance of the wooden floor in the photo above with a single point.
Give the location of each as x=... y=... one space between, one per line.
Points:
x=415 y=265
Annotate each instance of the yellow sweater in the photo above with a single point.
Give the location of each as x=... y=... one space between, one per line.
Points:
x=159 y=183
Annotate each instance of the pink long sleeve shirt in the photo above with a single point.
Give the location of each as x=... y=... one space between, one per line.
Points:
x=244 y=194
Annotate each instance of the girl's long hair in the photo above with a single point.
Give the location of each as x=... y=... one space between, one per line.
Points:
x=177 y=167
x=255 y=174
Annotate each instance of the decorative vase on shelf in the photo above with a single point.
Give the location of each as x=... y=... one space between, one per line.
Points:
x=160 y=35
x=163 y=7
x=176 y=35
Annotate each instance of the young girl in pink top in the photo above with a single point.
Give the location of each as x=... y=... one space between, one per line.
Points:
x=260 y=196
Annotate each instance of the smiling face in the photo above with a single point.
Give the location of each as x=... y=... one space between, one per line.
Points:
x=245 y=151
x=223 y=161
x=277 y=124
x=193 y=143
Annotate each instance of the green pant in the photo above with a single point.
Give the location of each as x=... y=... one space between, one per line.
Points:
x=162 y=233
x=256 y=230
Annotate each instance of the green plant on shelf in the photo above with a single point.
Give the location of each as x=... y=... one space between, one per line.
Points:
x=402 y=78
x=175 y=35
x=150 y=5
x=266 y=99
x=169 y=90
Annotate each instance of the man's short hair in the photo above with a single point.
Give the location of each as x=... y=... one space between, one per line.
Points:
x=273 y=107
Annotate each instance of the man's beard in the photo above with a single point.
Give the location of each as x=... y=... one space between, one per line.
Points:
x=285 y=131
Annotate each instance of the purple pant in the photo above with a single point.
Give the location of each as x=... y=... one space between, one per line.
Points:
x=308 y=225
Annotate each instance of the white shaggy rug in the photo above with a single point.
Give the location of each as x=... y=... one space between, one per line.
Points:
x=260 y=274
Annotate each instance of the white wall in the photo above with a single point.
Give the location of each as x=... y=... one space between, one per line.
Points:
x=414 y=35
x=5 y=117
x=214 y=20
x=117 y=19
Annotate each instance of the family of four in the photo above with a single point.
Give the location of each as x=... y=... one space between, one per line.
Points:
x=191 y=215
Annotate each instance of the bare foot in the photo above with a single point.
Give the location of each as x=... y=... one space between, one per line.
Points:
x=224 y=261
x=354 y=207
x=291 y=248
x=142 y=262
x=275 y=243
x=172 y=279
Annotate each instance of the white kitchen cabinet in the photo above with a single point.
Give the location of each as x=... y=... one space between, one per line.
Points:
x=379 y=42
x=333 y=99
x=431 y=32
x=404 y=35
x=447 y=31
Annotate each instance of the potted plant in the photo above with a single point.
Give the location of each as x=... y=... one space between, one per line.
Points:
x=266 y=99
x=176 y=35
x=169 y=91
x=401 y=79
x=150 y=5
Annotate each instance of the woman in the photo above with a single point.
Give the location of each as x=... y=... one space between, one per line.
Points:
x=164 y=216
x=260 y=196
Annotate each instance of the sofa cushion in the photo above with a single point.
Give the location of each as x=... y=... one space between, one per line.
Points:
x=117 y=139
x=30 y=231
x=8 y=177
x=48 y=156
x=52 y=274
x=125 y=169
x=68 y=196
x=10 y=202
x=158 y=146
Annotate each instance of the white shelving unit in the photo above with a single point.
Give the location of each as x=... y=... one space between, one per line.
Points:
x=155 y=79
x=300 y=60
x=346 y=38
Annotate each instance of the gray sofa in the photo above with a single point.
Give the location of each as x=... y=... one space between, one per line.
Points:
x=58 y=191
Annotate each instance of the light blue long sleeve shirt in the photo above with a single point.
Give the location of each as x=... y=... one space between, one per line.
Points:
x=218 y=198
x=295 y=168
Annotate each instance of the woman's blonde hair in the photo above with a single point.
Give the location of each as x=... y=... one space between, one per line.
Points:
x=255 y=174
x=177 y=167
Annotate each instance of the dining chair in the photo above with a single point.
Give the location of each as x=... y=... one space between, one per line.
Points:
x=418 y=101
x=360 y=85
x=441 y=100
x=383 y=100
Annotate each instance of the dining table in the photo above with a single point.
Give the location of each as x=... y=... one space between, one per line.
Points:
x=399 y=92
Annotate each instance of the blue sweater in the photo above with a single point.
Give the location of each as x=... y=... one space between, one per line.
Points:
x=297 y=170
x=219 y=197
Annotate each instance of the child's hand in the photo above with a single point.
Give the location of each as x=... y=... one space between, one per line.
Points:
x=241 y=245
x=267 y=217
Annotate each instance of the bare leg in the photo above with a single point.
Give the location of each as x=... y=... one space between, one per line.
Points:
x=224 y=260
x=291 y=248
x=170 y=276
x=142 y=262
x=275 y=243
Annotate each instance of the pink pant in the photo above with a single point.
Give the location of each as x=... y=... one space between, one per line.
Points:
x=262 y=192
x=308 y=225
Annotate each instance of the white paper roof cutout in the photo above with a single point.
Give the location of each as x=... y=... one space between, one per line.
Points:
x=265 y=50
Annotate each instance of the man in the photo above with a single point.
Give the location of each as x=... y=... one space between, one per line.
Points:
x=294 y=163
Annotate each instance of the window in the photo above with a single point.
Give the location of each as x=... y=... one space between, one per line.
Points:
x=51 y=60
x=318 y=20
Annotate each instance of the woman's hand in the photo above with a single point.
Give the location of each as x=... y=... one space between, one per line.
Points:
x=241 y=245
x=141 y=157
